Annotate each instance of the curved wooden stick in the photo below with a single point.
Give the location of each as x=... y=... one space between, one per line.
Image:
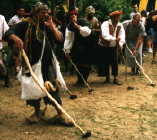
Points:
x=49 y=96
x=139 y=65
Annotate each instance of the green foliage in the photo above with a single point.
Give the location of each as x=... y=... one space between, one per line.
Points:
x=104 y=7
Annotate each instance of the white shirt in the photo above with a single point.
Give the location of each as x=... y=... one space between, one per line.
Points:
x=111 y=38
x=3 y=28
x=132 y=14
x=14 y=20
x=69 y=37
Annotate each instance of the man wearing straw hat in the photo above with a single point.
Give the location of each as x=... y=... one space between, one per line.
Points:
x=111 y=39
x=28 y=35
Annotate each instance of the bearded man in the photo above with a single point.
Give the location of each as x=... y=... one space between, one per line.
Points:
x=28 y=35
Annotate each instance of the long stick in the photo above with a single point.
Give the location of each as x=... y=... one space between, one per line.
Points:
x=49 y=96
x=90 y=90
x=139 y=65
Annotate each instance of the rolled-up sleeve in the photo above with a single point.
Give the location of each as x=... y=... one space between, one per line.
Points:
x=142 y=30
x=85 y=31
x=122 y=35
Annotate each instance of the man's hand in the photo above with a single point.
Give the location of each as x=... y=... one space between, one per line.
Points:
x=134 y=52
x=76 y=25
x=118 y=39
x=49 y=22
x=120 y=48
x=68 y=56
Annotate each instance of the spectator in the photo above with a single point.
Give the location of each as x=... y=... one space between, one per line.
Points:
x=145 y=38
x=135 y=11
x=12 y=22
x=154 y=35
x=148 y=27
x=3 y=27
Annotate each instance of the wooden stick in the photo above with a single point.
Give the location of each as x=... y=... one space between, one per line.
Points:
x=139 y=65
x=49 y=96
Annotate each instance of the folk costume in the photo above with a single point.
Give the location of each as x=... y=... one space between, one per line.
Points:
x=108 y=47
x=78 y=45
x=132 y=34
x=32 y=34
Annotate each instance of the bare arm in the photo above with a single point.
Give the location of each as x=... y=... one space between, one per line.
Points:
x=18 y=42
x=154 y=18
x=140 y=40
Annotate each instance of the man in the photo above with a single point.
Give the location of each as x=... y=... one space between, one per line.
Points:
x=95 y=27
x=135 y=11
x=29 y=35
x=12 y=22
x=3 y=27
x=154 y=35
x=77 y=45
x=134 y=31
x=111 y=39
x=18 y=17
x=90 y=12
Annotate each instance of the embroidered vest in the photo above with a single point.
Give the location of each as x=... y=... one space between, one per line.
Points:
x=106 y=43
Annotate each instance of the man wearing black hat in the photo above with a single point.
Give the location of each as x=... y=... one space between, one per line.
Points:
x=28 y=35
x=111 y=39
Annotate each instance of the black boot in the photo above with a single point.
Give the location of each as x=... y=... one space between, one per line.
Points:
x=6 y=81
x=86 y=71
x=79 y=77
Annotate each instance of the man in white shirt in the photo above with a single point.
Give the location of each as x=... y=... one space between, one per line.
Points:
x=3 y=28
x=77 y=45
x=18 y=17
x=112 y=38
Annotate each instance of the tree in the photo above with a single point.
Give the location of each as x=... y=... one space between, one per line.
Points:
x=104 y=7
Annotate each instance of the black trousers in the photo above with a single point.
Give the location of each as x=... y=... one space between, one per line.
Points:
x=85 y=73
x=107 y=56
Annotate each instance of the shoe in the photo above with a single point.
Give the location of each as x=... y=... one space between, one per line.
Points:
x=34 y=118
x=133 y=71
x=6 y=81
x=78 y=84
x=67 y=73
x=143 y=55
x=107 y=81
x=116 y=81
x=150 y=50
x=153 y=61
x=138 y=72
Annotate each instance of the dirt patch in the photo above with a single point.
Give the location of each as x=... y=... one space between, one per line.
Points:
x=112 y=112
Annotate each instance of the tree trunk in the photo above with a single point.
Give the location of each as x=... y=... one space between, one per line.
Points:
x=72 y=3
x=53 y=5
